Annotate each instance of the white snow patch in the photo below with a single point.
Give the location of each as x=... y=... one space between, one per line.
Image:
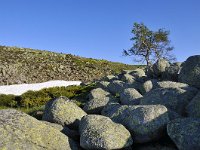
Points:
x=18 y=89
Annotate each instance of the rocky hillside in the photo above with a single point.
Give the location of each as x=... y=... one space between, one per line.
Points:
x=130 y=111
x=22 y=65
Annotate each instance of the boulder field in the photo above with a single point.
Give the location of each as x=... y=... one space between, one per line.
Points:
x=156 y=109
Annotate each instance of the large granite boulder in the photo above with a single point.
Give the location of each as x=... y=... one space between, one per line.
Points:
x=130 y=96
x=127 y=78
x=153 y=84
x=193 y=108
x=190 y=72
x=100 y=132
x=64 y=112
x=175 y=99
x=21 y=131
x=159 y=67
x=98 y=98
x=98 y=93
x=145 y=122
x=148 y=86
x=171 y=84
x=74 y=134
x=103 y=84
x=116 y=86
x=172 y=72
x=54 y=125
x=185 y=133
x=138 y=73
x=95 y=105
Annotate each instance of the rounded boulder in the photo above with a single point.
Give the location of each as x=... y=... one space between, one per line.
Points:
x=159 y=67
x=21 y=131
x=95 y=105
x=64 y=112
x=185 y=133
x=145 y=122
x=193 y=108
x=98 y=93
x=100 y=132
x=130 y=96
x=190 y=72
x=175 y=99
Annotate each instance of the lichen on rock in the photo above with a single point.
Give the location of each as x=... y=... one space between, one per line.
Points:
x=21 y=131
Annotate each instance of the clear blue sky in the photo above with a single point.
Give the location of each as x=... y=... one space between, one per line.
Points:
x=97 y=28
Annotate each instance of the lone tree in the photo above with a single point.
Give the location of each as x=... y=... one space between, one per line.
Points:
x=149 y=45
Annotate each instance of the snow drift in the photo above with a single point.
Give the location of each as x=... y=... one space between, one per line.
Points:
x=18 y=89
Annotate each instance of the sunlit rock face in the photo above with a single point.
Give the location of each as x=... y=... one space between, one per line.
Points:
x=100 y=132
x=145 y=122
x=21 y=131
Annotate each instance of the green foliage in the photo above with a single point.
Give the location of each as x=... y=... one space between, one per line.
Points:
x=149 y=45
x=32 y=99
x=32 y=102
x=69 y=92
x=3 y=107
x=8 y=100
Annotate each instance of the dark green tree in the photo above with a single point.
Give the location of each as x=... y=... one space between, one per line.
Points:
x=149 y=45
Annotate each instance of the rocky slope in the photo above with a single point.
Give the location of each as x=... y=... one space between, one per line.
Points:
x=22 y=65
x=132 y=110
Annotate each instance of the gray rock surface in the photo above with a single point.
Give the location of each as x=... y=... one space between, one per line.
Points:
x=146 y=123
x=64 y=112
x=159 y=67
x=148 y=86
x=193 y=108
x=171 y=84
x=190 y=72
x=154 y=83
x=175 y=99
x=171 y=72
x=95 y=105
x=54 y=125
x=103 y=84
x=116 y=87
x=98 y=93
x=130 y=96
x=127 y=78
x=21 y=131
x=137 y=73
x=64 y=129
x=174 y=115
x=100 y=132
x=133 y=81
x=185 y=133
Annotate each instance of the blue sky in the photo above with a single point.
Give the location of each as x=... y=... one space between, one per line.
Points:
x=97 y=28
